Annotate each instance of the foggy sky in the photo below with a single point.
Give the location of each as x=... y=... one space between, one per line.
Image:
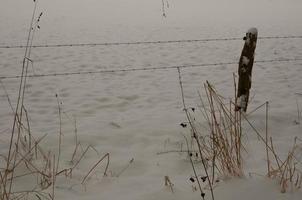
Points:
x=96 y=15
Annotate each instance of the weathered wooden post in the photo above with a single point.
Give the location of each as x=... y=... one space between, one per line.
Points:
x=246 y=62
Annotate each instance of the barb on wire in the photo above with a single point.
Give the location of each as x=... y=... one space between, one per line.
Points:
x=145 y=42
x=145 y=69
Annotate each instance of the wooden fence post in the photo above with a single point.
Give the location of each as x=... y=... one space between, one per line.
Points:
x=246 y=62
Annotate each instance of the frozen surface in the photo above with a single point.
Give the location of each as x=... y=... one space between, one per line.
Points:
x=135 y=115
x=254 y=31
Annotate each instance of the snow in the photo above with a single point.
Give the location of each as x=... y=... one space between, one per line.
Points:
x=136 y=115
x=245 y=60
x=253 y=31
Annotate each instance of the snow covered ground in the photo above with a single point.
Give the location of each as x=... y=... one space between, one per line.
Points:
x=136 y=115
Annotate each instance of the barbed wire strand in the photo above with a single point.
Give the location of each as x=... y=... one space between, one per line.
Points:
x=144 y=42
x=146 y=68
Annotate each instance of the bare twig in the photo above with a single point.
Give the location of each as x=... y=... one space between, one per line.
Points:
x=266 y=138
x=193 y=167
x=194 y=134
x=95 y=165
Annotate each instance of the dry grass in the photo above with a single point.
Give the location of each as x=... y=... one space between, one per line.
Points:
x=224 y=142
x=219 y=143
x=26 y=160
x=31 y=161
x=287 y=172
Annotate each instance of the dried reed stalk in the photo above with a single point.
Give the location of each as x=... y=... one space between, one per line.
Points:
x=224 y=123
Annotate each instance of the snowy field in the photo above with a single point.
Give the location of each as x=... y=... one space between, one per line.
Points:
x=134 y=116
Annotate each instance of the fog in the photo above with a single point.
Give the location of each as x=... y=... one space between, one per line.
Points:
x=65 y=18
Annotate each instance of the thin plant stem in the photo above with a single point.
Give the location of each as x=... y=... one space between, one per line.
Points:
x=193 y=167
x=266 y=138
x=96 y=164
x=194 y=132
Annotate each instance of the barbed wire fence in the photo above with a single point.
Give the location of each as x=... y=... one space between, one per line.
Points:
x=145 y=42
x=178 y=68
x=145 y=68
x=127 y=69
